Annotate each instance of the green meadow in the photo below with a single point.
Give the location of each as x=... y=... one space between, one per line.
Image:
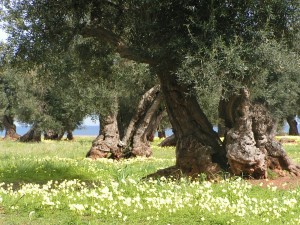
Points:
x=53 y=183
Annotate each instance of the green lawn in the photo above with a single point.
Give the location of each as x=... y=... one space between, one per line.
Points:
x=52 y=183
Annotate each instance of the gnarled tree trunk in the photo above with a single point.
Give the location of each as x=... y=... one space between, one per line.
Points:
x=250 y=143
x=140 y=127
x=293 y=130
x=198 y=149
x=33 y=135
x=107 y=143
x=10 y=128
x=135 y=141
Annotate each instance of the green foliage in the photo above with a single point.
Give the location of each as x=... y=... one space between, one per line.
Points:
x=20 y=93
x=280 y=76
x=216 y=47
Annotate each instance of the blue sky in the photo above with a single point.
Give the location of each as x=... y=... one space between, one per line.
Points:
x=89 y=122
x=3 y=35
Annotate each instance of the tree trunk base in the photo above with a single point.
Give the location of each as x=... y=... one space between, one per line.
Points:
x=12 y=137
x=141 y=149
x=32 y=135
x=250 y=141
x=70 y=136
x=278 y=160
x=102 y=148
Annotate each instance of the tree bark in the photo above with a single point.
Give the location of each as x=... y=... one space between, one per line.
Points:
x=250 y=142
x=70 y=136
x=169 y=141
x=293 y=130
x=154 y=123
x=10 y=128
x=198 y=149
x=142 y=124
x=135 y=141
x=33 y=135
x=106 y=144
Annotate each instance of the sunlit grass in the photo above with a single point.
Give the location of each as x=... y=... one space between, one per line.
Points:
x=52 y=183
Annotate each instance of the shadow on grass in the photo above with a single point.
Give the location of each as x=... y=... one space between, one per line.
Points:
x=24 y=172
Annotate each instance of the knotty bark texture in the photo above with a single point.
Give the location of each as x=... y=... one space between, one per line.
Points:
x=106 y=144
x=198 y=148
x=250 y=142
x=136 y=139
x=148 y=114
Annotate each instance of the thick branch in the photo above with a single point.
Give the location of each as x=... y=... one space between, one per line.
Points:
x=113 y=39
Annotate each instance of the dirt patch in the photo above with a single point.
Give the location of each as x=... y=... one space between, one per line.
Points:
x=284 y=183
x=287 y=141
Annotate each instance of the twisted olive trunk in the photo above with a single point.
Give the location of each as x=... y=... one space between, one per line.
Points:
x=136 y=139
x=148 y=114
x=198 y=149
x=10 y=128
x=250 y=139
x=106 y=144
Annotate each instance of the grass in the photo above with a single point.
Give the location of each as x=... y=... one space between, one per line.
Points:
x=52 y=183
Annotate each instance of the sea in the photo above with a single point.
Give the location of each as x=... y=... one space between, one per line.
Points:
x=83 y=131
x=94 y=130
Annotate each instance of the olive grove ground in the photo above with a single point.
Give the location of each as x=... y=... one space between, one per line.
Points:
x=52 y=183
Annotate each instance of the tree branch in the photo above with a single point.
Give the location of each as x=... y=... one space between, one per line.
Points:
x=111 y=38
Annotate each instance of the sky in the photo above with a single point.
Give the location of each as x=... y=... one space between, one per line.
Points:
x=89 y=122
x=3 y=35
